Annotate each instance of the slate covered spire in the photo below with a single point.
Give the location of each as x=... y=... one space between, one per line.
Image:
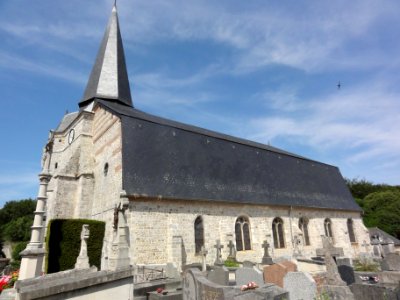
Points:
x=109 y=77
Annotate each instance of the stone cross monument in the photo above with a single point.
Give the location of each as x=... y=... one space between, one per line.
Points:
x=267 y=259
x=332 y=273
x=82 y=261
x=203 y=253
x=232 y=251
x=218 y=260
x=119 y=256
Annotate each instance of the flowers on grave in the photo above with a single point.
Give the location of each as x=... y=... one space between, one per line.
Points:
x=159 y=290
x=250 y=286
x=3 y=281
x=7 y=281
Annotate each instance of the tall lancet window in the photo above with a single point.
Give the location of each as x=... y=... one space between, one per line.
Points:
x=198 y=234
x=242 y=232
x=350 y=230
x=303 y=225
x=278 y=233
x=328 y=228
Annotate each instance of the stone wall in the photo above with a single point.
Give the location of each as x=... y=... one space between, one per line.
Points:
x=163 y=230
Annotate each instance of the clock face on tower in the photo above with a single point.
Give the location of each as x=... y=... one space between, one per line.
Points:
x=71 y=136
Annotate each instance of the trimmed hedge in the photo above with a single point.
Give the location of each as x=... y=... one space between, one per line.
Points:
x=63 y=243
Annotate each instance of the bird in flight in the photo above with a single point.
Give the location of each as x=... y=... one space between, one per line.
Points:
x=338 y=85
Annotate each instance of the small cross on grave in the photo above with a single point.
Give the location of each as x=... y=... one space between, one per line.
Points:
x=332 y=276
x=232 y=251
x=203 y=252
x=218 y=260
x=267 y=259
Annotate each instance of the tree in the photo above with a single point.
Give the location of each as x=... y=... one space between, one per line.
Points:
x=382 y=209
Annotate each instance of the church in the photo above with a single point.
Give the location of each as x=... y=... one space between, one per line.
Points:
x=180 y=188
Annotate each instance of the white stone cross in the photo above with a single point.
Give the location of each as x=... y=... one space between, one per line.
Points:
x=218 y=260
x=203 y=252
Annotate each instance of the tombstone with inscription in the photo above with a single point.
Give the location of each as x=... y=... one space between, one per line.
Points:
x=246 y=275
x=300 y=286
x=275 y=273
x=391 y=262
x=345 y=269
x=219 y=275
x=335 y=287
x=197 y=287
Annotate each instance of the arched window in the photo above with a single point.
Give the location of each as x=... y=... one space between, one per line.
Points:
x=242 y=232
x=198 y=234
x=277 y=231
x=328 y=228
x=350 y=230
x=303 y=225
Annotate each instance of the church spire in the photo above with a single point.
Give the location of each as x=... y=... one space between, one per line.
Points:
x=109 y=77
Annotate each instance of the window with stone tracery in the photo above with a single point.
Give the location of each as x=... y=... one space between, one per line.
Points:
x=278 y=233
x=303 y=225
x=350 y=230
x=242 y=232
x=198 y=234
x=328 y=228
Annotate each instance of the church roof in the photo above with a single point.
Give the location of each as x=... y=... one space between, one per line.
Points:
x=167 y=159
x=66 y=121
x=109 y=77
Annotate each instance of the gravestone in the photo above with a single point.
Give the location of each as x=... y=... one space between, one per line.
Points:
x=275 y=273
x=203 y=253
x=219 y=275
x=375 y=292
x=171 y=271
x=332 y=273
x=232 y=251
x=218 y=258
x=290 y=266
x=345 y=269
x=391 y=262
x=267 y=259
x=246 y=275
x=248 y=264
x=82 y=261
x=300 y=285
x=335 y=287
x=197 y=287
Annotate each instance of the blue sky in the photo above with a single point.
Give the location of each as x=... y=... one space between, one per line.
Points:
x=262 y=70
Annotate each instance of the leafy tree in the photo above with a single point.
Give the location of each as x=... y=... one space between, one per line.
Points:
x=382 y=209
x=18 y=229
x=15 y=209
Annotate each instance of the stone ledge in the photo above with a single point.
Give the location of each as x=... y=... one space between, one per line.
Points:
x=69 y=281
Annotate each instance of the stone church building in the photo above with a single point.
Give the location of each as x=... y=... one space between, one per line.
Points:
x=182 y=187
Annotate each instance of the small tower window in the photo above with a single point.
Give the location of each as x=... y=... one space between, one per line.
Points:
x=303 y=225
x=350 y=230
x=278 y=233
x=55 y=165
x=328 y=228
x=198 y=234
x=105 y=169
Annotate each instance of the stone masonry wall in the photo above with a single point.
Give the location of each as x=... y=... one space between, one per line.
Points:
x=107 y=145
x=163 y=230
x=71 y=186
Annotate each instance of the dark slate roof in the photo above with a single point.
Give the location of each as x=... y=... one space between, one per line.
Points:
x=163 y=158
x=383 y=236
x=109 y=76
x=66 y=121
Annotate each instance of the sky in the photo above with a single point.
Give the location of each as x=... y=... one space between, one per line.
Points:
x=261 y=70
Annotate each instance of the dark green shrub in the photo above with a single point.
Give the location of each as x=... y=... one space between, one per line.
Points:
x=63 y=243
